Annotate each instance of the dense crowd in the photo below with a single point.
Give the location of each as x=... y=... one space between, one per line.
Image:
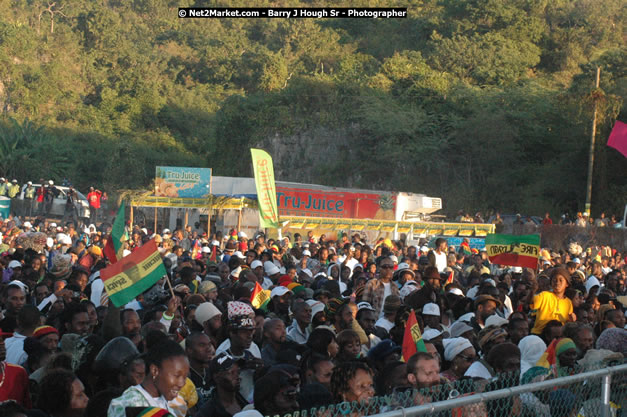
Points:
x=331 y=332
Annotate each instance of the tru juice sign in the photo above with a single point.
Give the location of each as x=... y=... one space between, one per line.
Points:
x=339 y=204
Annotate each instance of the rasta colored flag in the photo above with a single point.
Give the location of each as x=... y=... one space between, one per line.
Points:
x=133 y=274
x=513 y=250
x=412 y=339
x=266 y=188
x=115 y=244
x=260 y=297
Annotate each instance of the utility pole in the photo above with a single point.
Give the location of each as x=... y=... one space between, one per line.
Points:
x=591 y=155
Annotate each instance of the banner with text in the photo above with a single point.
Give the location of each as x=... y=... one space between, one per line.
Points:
x=183 y=182
x=513 y=250
x=266 y=188
x=133 y=274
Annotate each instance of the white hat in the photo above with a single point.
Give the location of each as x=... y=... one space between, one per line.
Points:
x=235 y=273
x=456 y=291
x=408 y=288
x=256 y=264
x=86 y=231
x=144 y=230
x=20 y=284
x=206 y=311
x=279 y=291
x=466 y=317
x=306 y=253
x=242 y=234
x=316 y=307
x=516 y=270
x=51 y=182
x=455 y=346
x=49 y=242
x=424 y=249
x=459 y=328
x=64 y=239
x=14 y=181
x=431 y=334
x=495 y=320
x=394 y=258
x=206 y=249
x=491 y=281
x=403 y=265
x=2 y=179
x=577 y=260
x=15 y=264
x=215 y=243
x=27 y=225
x=431 y=309
x=364 y=305
x=165 y=232
x=53 y=224
x=307 y=272
x=592 y=281
x=239 y=254
x=270 y=268
x=29 y=183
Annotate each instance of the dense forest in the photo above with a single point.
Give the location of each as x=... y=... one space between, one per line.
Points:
x=485 y=103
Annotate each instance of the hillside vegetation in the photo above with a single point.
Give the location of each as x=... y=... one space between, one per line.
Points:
x=485 y=103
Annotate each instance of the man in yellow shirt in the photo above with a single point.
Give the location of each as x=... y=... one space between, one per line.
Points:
x=553 y=305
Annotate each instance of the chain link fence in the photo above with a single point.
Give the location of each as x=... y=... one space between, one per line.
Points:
x=597 y=391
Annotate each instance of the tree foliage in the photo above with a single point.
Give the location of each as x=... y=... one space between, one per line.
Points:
x=485 y=103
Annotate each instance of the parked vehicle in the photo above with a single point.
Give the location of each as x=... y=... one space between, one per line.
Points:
x=58 y=204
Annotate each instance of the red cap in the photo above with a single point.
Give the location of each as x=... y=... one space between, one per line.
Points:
x=44 y=331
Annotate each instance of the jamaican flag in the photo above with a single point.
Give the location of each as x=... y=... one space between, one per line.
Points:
x=513 y=250
x=133 y=274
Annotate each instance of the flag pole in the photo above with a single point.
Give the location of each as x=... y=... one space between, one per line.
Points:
x=167 y=279
x=591 y=153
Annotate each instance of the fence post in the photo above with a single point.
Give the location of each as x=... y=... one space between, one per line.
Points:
x=606 y=386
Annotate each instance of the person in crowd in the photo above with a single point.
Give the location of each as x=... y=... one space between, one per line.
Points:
x=225 y=399
x=62 y=394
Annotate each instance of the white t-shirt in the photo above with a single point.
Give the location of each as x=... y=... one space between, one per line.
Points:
x=387 y=290
x=440 y=261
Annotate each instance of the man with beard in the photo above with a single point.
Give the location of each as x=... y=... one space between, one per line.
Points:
x=14 y=300
x=200 y=352
x=485 y=306
x=131 y=326
x=274 y=335
x=367 y=319
x=423 y=373
x=76 y=319
x=225 y=399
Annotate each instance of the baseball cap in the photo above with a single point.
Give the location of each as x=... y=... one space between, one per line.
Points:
x=431 y=309
x=495 y=320
x=459 y=328
x=306 y=253
x=279 y=291
x=383 y=349
x=239 y=255
x=364 y=305
x=270 y=268
x=15 y=264
x=431 y=334
x=256 y=264
x=223 y=362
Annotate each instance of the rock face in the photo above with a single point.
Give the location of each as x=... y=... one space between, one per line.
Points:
x=315 y=156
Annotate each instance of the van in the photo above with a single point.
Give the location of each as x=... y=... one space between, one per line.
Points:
x=58 y=204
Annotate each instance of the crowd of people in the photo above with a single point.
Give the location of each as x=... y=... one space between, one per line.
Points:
x=330 y=332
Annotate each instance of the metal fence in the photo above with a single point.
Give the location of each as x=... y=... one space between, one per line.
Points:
x=600 y=392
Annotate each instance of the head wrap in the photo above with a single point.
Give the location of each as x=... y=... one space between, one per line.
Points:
x=550 y=358
x=206 y=286
x=44 y=331
x=205 y=311
x=334 y=305
x=613 y=339
x=531 y=348
x=489 y=334
x=238 y=308
x=455 y=346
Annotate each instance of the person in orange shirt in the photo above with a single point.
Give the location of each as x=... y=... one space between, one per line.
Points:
x=94 y=203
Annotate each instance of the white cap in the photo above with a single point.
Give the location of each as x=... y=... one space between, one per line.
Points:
x=279 y=291
x=53 y=224
x=577 y=260
x=64 y=239
x=592 y=281
x=27 y=224
x=239 y=254
x=456 y=291
x=20 y=284
x=165 y=232
x=306 y=253
x=51 y=182
x=235 y=273
x=431 y=309
x=316 y=307
x=256 y=264
x=431 y=334
x=495 y=320
x=144 y=230
x=459 y=328
x=394 y=258
x=403 y=265
x=516 y=270
x=242 y=234
x=491 y=281
x=270 y=268
x=409 y=287
x=364 y=305
x=206 y=249
x=455 y=346
x=307 y=272
x=29 y=183
x=206 y=311
x=49 y=242
x=15 y=264
x=466 y=317
x=424 y=249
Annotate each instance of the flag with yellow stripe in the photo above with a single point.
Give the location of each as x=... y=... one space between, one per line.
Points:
x=133 y=274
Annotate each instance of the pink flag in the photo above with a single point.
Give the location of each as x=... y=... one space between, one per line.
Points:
x=618 y=138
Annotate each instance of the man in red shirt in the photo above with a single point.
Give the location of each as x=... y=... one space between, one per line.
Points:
x=547 y=219
x=13 y=378
x=94 y=203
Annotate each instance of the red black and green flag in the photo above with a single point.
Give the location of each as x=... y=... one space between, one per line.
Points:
x=412 y=339
x=133 y=274
x=513 y=250
x=115 y=244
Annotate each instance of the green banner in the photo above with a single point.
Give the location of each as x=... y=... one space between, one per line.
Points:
x=266 y=189
x=5 y=207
